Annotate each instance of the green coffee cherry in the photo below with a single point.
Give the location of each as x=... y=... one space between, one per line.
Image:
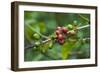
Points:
x=84 y=40
x=70 y=26
x=50 y=45
x=72 y=32
x=75 y=22
x=36 y=36
x=37 y=43
x=34 y=47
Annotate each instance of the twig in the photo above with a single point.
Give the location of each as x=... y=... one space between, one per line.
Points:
x=31 y=46
x=83 y=27
x=42 y=35
x=49 y=39
x=86 y=38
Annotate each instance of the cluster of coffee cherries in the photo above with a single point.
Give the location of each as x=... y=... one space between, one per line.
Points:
x=60 y=31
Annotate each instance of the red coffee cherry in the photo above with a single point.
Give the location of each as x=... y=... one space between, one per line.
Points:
x=65 y=30
x=58 y=32
x=60 y=37
x=59 y=28
x=61 y=41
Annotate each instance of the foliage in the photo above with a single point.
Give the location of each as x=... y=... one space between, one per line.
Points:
x=40 y=36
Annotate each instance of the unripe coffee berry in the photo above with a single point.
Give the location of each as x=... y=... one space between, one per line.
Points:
x=36 y=36
x=37 y=43
x=70 y=26
x=72 y=32
x=59 y=28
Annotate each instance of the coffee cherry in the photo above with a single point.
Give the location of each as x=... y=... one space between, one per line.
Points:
x=65 y=30
x=60 y=37
x=70 y=26
x=36 y=36
x=72 y=32
x=59 y=28
x=58 y=32
x=61 y=41
x=50 y=45
x=75 y=22
x=37 y=43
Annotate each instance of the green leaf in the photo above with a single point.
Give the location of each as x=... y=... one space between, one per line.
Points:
x=32 y=55
x=38 y=57
x=28 y=55
x=64 y=53
x=66 y=48
x=42 y=27
x=37 y=29
x=77 y=45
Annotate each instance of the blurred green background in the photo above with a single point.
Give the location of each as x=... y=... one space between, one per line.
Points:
x=43 y=24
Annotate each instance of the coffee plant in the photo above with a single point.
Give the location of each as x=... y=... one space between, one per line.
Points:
x=56 y=36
